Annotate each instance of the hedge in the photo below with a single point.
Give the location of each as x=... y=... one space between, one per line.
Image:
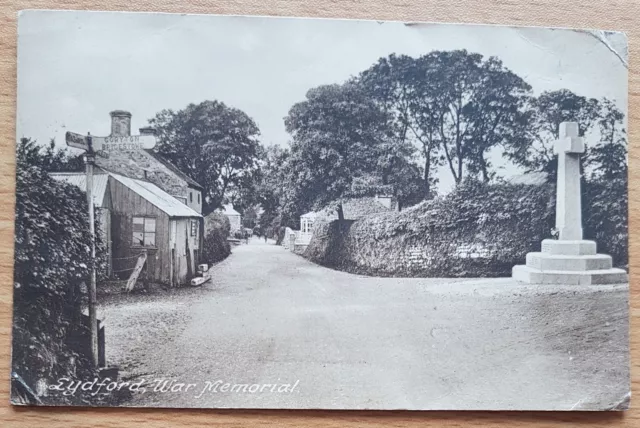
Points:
x=216 y=247
x=478 y=230
x=52 y=265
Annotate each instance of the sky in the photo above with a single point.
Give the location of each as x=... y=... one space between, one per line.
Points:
x=75 y=67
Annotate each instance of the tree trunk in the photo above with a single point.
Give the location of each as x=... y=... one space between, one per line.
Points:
x=483 y=167
x=427 y=175
x=460 y=161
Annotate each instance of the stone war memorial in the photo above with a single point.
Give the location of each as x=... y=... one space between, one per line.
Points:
x=570 y=259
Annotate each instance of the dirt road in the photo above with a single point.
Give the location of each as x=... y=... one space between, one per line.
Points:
x=329 y=339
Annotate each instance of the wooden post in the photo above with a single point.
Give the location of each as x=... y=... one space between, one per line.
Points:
x=93 y=316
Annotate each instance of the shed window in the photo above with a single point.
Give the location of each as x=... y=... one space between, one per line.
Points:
x=198 y=197
x=194 y=228
x=191 y=197
x=144 y=231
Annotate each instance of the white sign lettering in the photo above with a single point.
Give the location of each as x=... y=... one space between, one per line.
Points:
x=111 y=144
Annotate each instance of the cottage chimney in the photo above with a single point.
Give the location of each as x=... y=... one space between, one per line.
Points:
x=147 y=130
x=120 y=123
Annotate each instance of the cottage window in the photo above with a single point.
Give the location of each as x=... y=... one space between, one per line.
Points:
x=191 y=197
x=144 y=231
x=194 y=228
x=198 y=197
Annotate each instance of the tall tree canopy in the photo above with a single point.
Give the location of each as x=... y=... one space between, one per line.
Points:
x=214 y=144
x=544 y=115
x=402 y=86
x=276 y=193
x=49 y=158
x=608 y=158
x=341 y=140
x=454 y=105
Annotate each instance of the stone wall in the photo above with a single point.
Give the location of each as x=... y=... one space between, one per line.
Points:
x=345 y=247
x=476 y=233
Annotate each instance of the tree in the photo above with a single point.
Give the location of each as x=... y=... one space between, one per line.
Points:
x=402 y=85
x=608 y=158
x=48 y=158
x=544 y=116
x=52 y=261
x=338 y=134
x=497 y=114
x=454 y=105
x=476 y=107
x=275 y=190
x=212 y=143
x=249 y=217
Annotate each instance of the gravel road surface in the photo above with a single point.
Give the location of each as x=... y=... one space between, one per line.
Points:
x=329 y=339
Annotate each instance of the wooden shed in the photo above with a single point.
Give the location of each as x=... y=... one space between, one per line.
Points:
x=145 y=218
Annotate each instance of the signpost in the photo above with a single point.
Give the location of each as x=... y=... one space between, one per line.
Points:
x=101 y=146
x=111 y=144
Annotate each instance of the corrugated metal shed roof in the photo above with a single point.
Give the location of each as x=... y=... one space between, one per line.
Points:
x=157 y=197
x=80 y=179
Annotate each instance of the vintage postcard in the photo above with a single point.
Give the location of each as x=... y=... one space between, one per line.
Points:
x=292 y=213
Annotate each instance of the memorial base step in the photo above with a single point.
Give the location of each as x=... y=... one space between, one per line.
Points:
x=569 y=248
x=531 y=275
x=546 y=261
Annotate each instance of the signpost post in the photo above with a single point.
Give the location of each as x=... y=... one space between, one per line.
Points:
x=101 y=146
x=93 y=316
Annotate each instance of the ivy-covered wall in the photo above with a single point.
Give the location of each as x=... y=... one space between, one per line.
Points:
x=476 y=231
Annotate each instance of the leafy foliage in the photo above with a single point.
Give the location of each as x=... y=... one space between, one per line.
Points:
x=454 y=105
x=543 y=116
x=52 y=261
x=499 y=223
x=606 y=217
x=212 y=143
x=343 y=146
x=216 y=247
x=51 y=158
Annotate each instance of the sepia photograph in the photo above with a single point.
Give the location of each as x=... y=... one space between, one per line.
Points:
x=297 y=213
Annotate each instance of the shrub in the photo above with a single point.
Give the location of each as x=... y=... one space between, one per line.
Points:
x=606 y=220
x=216 y=220
x=216 y=247
x=52 y=261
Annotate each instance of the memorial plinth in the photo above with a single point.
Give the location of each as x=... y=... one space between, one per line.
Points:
x=569 y=259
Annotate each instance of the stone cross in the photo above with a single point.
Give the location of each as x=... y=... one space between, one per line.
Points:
x=569 y=147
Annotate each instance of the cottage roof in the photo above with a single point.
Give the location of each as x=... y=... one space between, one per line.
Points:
x=227 y=209
x=191 y=182
x=79 y=179
x=310 y=214
x=355 y=208
x=156 y=196
x=530 y=178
